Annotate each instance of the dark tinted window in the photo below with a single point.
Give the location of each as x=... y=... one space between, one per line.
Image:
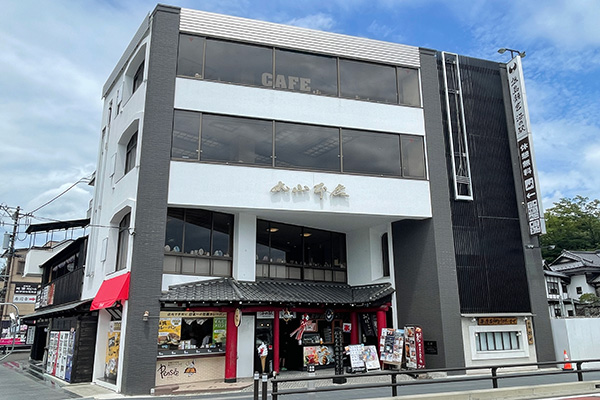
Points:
x=138 y=78
x=286 y=243
x=303 y=72
x=236 y=140
x=186 y=131
x=370 y=152
x=189 y=61
x=123 y=243
x=130 y=153
x=236 y=62
x=197 y=229
x=408 y=87
x=199 y=232
x=413 y=157
x=306 y=146
x=297 y=245
x=366 y=81
x=222 y=234
x=317 y=248
x=174 y=234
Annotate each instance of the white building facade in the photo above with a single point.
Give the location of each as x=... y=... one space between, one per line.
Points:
x=242 y=159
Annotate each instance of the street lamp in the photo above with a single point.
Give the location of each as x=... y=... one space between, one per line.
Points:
x=512 y=52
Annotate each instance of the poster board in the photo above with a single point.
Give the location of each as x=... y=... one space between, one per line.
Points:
x=355 y=354
x=414 y=347
x=318 y=355
x=112 y=351
x=391 y=346
x=371 y=358
x=169 y=331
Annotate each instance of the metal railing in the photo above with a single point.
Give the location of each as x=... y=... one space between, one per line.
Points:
x=493 y=377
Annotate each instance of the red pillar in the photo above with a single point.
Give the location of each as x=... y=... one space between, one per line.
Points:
x=354 y=332
x=276 y=342
x=231 y=348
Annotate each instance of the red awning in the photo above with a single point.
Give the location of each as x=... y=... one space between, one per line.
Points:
x=111 y=291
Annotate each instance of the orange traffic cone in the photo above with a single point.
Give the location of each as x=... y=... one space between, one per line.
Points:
x=567 y=366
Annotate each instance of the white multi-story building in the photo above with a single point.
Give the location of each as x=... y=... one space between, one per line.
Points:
x=257 y=182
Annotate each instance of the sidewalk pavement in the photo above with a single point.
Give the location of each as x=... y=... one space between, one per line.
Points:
x=17 y=384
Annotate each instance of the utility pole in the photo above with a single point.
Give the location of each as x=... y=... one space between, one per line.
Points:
x=11 y=251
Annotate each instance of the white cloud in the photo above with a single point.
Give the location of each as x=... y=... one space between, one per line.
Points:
x=320 y=21
x=380 y=31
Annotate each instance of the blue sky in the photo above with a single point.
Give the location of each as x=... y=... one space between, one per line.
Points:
x=56 y=55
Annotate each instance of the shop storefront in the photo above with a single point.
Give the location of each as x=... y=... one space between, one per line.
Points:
x=191 y=346
x=289 y=330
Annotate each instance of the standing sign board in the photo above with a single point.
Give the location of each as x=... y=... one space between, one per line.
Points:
x=355 y=354
x=391 y=345
x=520 y=111
x=414 y=347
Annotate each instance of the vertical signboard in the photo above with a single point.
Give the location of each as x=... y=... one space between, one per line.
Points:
x=520 y=111
x=414 y=347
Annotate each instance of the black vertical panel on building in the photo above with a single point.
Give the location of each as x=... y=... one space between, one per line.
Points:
x=489 y=254
x=85 y=345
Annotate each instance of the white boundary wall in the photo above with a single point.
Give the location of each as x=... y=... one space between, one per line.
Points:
x=579 y=337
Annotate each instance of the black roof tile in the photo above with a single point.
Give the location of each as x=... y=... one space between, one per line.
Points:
x=229 y=289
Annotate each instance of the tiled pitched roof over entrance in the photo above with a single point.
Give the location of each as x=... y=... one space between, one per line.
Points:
x=228 y=289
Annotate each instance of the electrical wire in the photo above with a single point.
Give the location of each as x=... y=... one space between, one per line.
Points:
x=62 y=193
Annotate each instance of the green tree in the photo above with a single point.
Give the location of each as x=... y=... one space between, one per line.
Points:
x=571 y=224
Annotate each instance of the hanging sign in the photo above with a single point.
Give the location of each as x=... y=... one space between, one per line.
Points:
x=520 y=111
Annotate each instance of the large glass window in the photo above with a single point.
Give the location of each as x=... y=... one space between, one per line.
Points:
x=413 y=157
x=367 y=81
x=370 y=152
x=236 y=140
x=190 y=57
x=236 y=62
x=198 y=242
x=295 y=252
x=303 y=72
x=198 y=232
x=307 y=146
x=408 y=87
x=186 y=131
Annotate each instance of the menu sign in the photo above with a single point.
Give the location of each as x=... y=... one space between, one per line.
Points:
x=526 y=160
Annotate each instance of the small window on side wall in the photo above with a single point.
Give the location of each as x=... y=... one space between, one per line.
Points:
x=138 y=78
x=130 y=153
x=123 y=242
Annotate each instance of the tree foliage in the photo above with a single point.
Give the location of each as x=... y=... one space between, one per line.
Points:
x=571 y=224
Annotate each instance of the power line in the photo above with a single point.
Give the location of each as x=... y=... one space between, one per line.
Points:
x=59 y=195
